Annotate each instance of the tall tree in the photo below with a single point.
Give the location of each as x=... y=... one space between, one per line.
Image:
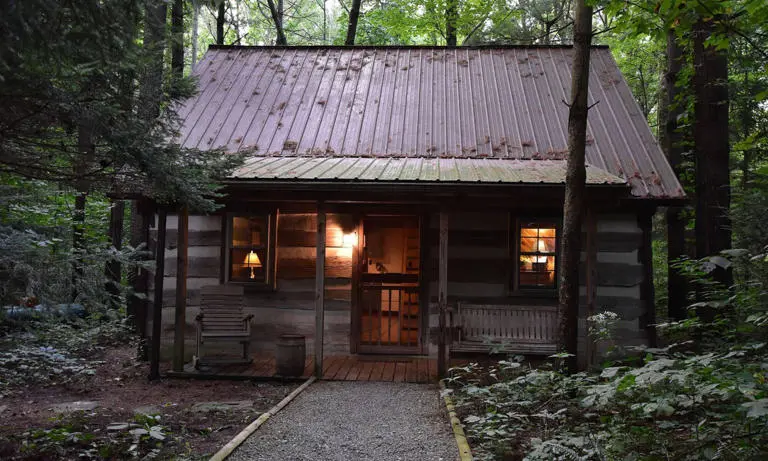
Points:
x=276 y=11
x=177 y=38
x=672 y=141
x=221 y=11
x=451 y=16
x=354 y=16
x=711 y=142
x=575 y=185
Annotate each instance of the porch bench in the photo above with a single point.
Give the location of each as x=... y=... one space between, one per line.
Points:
x=503 y=328
x=221 y=318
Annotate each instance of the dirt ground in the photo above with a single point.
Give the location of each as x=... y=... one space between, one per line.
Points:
x=120 y=387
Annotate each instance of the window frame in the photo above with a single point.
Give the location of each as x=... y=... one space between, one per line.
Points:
x=515 y=253
x=270 y=249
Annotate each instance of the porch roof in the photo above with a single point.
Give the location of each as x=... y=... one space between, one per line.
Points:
x=415 y=169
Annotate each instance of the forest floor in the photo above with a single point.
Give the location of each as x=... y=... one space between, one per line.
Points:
x=118 y=414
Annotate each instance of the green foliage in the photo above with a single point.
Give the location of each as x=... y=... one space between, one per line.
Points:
x=54 y=350
x=76 y=436
x=70 y=116
x=705 y=396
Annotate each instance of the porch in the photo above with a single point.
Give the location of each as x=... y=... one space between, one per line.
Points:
x=335 y=368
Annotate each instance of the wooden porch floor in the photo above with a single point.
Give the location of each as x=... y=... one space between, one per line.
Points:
x=336 y=368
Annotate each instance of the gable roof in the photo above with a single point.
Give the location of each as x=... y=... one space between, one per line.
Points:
x=479 y=102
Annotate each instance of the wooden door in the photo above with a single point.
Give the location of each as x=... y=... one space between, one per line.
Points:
x=388 y=314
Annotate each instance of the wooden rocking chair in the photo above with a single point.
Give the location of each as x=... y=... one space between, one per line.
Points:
x=221 y=318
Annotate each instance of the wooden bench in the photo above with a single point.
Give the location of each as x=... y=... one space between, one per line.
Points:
x=504 y=329
x=221 y=318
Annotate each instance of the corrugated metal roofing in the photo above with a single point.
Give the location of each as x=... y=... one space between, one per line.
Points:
x=500 y=102
x=415 y=169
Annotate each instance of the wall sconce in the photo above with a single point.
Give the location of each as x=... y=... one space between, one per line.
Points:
x=349 y=240
x=252 y=260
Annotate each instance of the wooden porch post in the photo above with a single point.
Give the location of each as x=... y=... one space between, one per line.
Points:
x=591 y=279
x=180 y=318
x=157 y=307
x=645 y=256
x=319 y=291
x=442 y=296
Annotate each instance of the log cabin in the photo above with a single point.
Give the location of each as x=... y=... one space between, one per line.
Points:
x=408 y=200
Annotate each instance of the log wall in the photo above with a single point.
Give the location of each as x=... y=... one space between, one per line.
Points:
x=479 y=270
x=289 y=309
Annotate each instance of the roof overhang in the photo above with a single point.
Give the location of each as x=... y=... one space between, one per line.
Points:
x=411 y=171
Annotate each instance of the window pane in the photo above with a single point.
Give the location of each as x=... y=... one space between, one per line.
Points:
x=248 y=265
x=546 y=245
x=249 y=231
x=528 y=245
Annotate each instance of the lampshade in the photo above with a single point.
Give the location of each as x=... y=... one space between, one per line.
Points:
x=252 y=259
x=542 y=248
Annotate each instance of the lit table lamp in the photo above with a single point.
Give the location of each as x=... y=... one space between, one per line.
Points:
x=252 y=260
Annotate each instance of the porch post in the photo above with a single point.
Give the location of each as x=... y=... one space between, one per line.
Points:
x=180 y=318
x=319 y=290
x=591 y=280
x=157 y=307
x=442 y=295
x=645 y=257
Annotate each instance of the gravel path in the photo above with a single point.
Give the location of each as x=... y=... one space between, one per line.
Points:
x=356 y=421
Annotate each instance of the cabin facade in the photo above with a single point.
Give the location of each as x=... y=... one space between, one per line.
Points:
x=408 y=201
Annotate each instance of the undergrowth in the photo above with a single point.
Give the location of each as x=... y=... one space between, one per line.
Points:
x=702 y=397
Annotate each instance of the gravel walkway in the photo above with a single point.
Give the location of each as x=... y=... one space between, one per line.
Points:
x=356 y=421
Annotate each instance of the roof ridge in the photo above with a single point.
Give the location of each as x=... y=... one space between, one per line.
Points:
x=405 y=47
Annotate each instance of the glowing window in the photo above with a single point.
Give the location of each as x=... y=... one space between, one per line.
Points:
x=538 y=252
x=250 y=255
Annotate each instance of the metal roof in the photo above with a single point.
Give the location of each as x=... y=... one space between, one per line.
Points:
x=415 y=169
x=426 y=102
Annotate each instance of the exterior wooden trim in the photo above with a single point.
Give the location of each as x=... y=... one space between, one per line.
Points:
x=355 y=308
x=424 y=271
x=180 y=314
x=647 y=291
x=157 y=307
x=442 y=296
x=320 y=291
x=591 y=277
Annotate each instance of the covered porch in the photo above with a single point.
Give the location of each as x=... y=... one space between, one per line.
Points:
x=478 y=275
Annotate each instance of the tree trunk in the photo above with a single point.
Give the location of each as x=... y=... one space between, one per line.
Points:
x=177 y=40
x=575 y=185
x=747 y=122
x=220 y=21
x=672 y=142
x=86 y=152
x=113 y=271
x=354 y=15
x=277 y=18
x=450 y=22
x=139 y=278
x=151 y=89
x=711 y=147
x=195 y=31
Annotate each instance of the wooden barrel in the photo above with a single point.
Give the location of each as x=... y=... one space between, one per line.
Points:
x=291 y=352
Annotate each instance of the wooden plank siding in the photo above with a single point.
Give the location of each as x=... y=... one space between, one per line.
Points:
x=290 y=308
x=479 y=270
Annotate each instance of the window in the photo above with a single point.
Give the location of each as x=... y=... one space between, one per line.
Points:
x=537 y=253
x=250 y=256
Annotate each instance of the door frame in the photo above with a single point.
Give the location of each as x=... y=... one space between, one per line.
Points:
x=422 y=287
